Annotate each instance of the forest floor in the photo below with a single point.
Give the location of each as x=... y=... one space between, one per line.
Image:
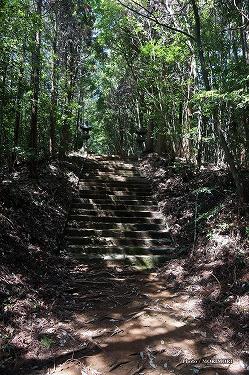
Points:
x=61 y=317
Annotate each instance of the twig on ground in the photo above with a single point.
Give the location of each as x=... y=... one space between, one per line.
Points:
x=8 y=220
x=216 y=280
x=103 y=318
x=136 y=315
x=115 y=365
x=140 y=368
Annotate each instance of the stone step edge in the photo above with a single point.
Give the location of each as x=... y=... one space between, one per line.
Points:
x=115 y=213
x=125 y=250
x=116 y=231
x=124 y=256
x=79 y=199
x=116 y=220
x=115 y=226
x=89 y=207
x=78 y=238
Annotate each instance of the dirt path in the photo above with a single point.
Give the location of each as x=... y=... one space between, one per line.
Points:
x=121 y=321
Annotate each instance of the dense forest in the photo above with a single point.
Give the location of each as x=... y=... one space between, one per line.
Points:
x=124 y=172
x=176 y=68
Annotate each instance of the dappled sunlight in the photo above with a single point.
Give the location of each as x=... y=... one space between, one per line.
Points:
x=117 y=306
x=126 y=336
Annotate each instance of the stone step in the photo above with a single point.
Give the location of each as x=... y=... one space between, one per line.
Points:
x=125 y=250
x=112 y=162
x=111 y=241
x=112 y=207
x=117 y=233
x=109 y=168
x=109 y=174
x=110 y=219
x=104 y=157
x=114 y=200
x=137 y=262
x=118 y=161
x=115 y=218
x=115 y=184
x=115 y=213
x=118 y=195
x=116 y=190
x=113 y=179
x=116 y=226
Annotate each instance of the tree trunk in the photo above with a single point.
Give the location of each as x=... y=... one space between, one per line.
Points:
x=53 y=104
x=17 y=117
x=202 y=130
x=70 y=81
x=246 y=127
x=3 y=102
x=244 y=41
x=35 y=80
x=199 y=45
x=149 y=144
x=65 y=133
x=120 y=150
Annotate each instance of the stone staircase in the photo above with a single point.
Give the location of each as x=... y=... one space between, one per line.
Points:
x=115 y=218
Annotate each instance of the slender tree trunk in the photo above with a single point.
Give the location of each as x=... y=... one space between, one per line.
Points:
x=17 y=116
x=199 y=45
x=244 y=41
x=35 y=80
x=120 y=134
x=65 y=133
x=76 y=132
x=246 y=128
x=53 y=104
x=70 y=85
x=2 y=106
x=181 y=128
x=149 y=144
x=200 y=142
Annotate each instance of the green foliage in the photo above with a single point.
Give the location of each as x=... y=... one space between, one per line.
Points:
x=119 y=70
x=203 y=189
x=46 y=342
x=209 y=100
x=211 y=213
x=169 y=54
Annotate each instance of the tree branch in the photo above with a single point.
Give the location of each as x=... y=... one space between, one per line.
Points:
x=154 y=19
x=241 y=11
x=242 y=27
